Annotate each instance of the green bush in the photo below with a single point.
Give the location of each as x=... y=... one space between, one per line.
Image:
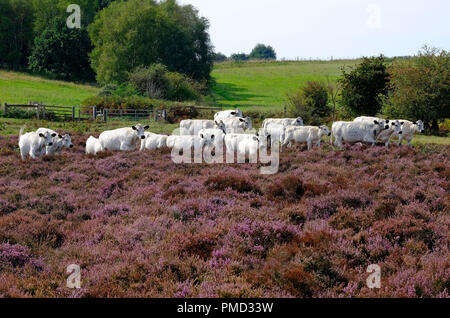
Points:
x=363 y=85
x=311 y=103
x=20 y=113
x=158 y=83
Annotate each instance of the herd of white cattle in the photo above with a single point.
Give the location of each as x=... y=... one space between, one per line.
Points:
x=229 y=128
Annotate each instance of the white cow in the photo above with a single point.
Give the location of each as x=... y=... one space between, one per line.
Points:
x=122 y=139
x=249 y=146
x=391 y=127
x=33 y=144
x=283 y=121
x=212 y=137
x=181 y=142
x=232 y=141
x=59 y=142
x=353 y=132
x=93 y=146
x=237 y=125
x=228 y=114
x=306 y=134
x=191 y=127
x=276 y=132
x=153 y=141
x=408 y=130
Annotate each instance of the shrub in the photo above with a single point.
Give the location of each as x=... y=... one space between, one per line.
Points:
x=289 y=189
x=311 y=103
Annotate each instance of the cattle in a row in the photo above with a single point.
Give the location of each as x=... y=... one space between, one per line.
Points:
x=228 y=128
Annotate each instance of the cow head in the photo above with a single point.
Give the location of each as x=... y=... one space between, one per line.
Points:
x=299 y=122
x=140 y=130
x=66 y=141
x=325 y=131
x=48 y=138
x=420 y=127
x=209 y=136
x=220 y=125
x=397 y=126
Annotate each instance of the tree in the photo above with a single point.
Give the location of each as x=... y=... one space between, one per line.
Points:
x=16 y=32
x=263 y=52
x=136 y=33
x=62 y=51
x=310 y=102
x=219 y=57
x=420 y=88
x=363 y=85
x=237 y=57
x=333 y=92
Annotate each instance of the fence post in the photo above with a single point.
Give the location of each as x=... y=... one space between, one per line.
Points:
x=73 y=113
x=135 y=114
x=44 y=110
x=105 y=115
x=5 y=109
x=38 y=111
x=94 y=113
x=79 y=114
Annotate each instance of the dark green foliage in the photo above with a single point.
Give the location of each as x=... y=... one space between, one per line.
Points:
x=363 y=85
x=239 y=57
x=420 y=88
x=311 y=103
x=263 y=52
x=68 y=58
x=158 y=83
x=16 y=32
x=219 y=57
x=135 y=33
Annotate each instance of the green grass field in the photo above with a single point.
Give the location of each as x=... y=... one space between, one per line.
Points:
x=19 y=88
x=266 y=84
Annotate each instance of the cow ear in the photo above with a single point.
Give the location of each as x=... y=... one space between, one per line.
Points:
x=402 y=123
x=387 y=121
x=60 y=137
x=212 y=136
x=53 y=135
x=134 y=127
x=376 y=122
x=201 y=136
x=147 y=127
x=233 y=113
x=257 y=134
x=241 y=120
x=41 y=135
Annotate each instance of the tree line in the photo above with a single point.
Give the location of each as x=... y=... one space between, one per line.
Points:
x=116 y=38
x=407 y=88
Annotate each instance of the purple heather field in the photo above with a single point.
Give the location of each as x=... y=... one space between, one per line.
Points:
x=139 y=225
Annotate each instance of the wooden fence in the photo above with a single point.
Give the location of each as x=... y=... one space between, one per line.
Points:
x=92 y=113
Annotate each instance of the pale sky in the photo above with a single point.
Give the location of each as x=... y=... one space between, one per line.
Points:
x=325 y=28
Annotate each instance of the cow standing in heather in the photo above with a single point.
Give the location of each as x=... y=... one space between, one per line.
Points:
x=122 y=139
x=408 y=130
x=59 y=141
x=93 y=146
x=354 y=132
x=33 y=144
x=305 y=134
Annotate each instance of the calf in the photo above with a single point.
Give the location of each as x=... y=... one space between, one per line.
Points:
x=33 y=144
x=228 y=114
x=59 y=142
x=153 y=141
x=122 y=139
x=353 y=132
x=93 y=146
x=306 y=134
x=283 y=121
x=408 y=130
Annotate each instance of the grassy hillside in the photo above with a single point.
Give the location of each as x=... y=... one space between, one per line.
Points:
x=266 y=84
x=19 y=88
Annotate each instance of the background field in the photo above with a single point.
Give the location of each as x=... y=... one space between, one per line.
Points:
x=266 y=84
x=19 y=88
